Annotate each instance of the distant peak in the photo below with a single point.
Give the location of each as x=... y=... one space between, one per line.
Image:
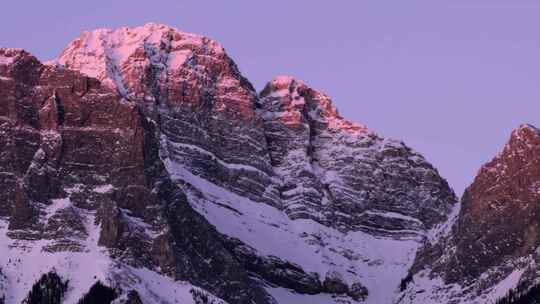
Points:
x=524 y=132
x=10 y=55
x=525 y=137
x=123 y=41
x=291 y=100
x=7 y=51
x=527 y=127
x=127 y=38
x=106 y=54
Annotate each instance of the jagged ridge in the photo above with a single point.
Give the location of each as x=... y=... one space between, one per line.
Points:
x=493 y=244
x=305 y=190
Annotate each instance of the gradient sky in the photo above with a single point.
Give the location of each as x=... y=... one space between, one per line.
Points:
x=450 y=78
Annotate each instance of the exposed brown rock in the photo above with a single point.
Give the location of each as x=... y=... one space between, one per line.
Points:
x=65 y=137
x=499 y=215
x=107 y=137
x=496 y=232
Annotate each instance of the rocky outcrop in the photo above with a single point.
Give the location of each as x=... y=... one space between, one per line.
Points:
x=74 y=148
x=498 y=219
x=343 y=175
x=334 y=283
x=146 y=151
x=496 y=234
x=285 y=274
x=274 y=270
x=358 y=292
x=204 y=107
x=202 y=297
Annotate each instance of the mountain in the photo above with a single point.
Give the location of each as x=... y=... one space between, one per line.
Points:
x=492 y=246
x=88 y=196
x=141 y=164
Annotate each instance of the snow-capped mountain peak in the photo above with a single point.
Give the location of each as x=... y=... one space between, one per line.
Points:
x=295 y=99
x=93 y=51
x=182 y=173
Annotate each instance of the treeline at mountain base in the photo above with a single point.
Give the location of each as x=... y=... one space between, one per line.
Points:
x=522 y=295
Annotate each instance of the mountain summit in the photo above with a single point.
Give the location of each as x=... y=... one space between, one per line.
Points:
x=142 y=162
x=492 y=246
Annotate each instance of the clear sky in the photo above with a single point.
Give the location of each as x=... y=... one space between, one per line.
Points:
x=450 y=78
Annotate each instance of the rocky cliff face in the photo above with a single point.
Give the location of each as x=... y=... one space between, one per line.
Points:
x=188 y=85
x=493 y=244
x=82 y=173
x=343 y=175
x=143 y=158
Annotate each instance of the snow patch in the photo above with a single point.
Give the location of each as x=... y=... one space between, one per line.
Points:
x=155 y=288
x=502 y=288
x=393 y=215
x=25 y=261
x=57 y=204
x=285 y=296
x=103 y=188
x=377 y=263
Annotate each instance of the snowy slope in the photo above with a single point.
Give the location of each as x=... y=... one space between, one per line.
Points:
x=142 y=157
x=282 y=171
x=71 y=152
x=379 y=263
x=24 y=261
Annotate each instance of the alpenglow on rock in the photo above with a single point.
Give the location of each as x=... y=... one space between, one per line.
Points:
x=493 y=243
x=147 y=161
x=188 y=85
x=86 y=195
x=343 y=175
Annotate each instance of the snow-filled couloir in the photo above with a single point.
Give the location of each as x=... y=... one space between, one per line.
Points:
x=154 y=140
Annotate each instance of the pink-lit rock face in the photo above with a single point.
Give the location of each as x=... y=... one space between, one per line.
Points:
x=157 y=63
x=493 y=243
x=499 y=217
x=281 y=175
x=339 y=173
x=297 y=100
x=513 y=173
x=62 y=107
x=185 y=83
x=210 y=125
x=85 y=193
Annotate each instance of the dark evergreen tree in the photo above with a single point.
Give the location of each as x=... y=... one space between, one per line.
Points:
x=133 y=298
x=405 y=281
x=202 y=297
x=99 y=293
x=49 y=289
x=522 y=295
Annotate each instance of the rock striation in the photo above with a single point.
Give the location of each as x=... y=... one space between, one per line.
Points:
x=343 y=175
x=82 y=169
x=188 y=85
x=142 y=158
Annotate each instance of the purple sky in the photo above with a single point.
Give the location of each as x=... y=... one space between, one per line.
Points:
x=450 y=78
